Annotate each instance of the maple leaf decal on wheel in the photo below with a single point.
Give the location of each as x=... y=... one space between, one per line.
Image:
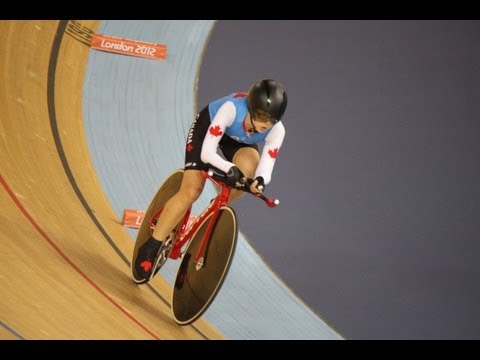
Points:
x=215 y=130
x=273 y=153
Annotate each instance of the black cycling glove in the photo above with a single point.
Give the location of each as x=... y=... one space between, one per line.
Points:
x=234 y=176
x=260 y=183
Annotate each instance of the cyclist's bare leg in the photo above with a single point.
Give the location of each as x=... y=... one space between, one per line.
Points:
x=247 y=160
x=175 y=208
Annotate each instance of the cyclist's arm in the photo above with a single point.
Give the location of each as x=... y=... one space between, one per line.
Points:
x=273 y=142
x=222 y=120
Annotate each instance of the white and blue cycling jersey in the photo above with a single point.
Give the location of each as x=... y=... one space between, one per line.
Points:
x=228 y=116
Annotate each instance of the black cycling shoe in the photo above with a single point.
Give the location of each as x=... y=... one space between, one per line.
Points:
x=147 y=253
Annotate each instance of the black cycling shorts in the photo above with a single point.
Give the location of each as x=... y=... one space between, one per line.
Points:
x=195 y=137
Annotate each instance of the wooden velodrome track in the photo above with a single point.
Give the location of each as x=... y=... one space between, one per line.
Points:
x=64 y=256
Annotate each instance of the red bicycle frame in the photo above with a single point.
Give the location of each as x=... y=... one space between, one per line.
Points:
x=184 y=232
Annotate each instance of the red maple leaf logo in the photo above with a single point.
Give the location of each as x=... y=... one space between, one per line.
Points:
x=273 y=153
x=189 y=147
x=215 y=130
x=146 y=265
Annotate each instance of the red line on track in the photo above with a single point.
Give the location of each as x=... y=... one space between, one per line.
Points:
x=62 y=254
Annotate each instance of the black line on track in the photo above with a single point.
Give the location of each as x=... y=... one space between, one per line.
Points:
x=52 y=67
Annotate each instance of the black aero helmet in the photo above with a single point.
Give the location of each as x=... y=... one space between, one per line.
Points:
x=267 y=97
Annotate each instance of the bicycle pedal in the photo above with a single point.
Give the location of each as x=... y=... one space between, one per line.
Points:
x=163 y=253
x=168 y=241
x=161 y=261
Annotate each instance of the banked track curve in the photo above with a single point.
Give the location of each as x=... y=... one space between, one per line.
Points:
x=64 y=255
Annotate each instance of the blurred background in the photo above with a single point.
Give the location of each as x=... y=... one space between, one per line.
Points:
x=378 y=228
